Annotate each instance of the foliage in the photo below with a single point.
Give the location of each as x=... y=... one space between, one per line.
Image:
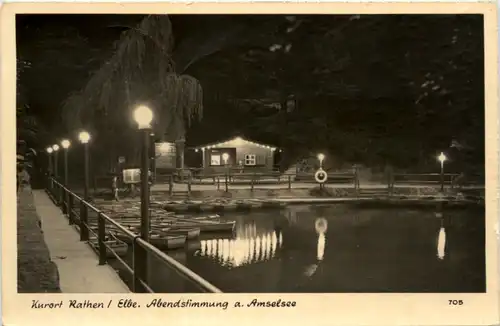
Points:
x=141 y=71
x=373 y=89
x=369 y=88
x=29 y=136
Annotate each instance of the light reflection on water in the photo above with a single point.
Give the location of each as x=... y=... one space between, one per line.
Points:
x=441 y=243
x=249 y=246
x=338 y=249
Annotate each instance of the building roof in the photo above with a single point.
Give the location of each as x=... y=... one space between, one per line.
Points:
x=233 y=142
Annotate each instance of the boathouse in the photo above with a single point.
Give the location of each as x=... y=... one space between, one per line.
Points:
x=237 y=153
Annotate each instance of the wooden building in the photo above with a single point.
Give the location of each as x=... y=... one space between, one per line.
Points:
x=237 y=153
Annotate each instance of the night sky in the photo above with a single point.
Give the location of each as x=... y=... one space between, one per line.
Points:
x=359 y=81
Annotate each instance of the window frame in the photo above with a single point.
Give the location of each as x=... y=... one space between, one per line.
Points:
x=250 y=160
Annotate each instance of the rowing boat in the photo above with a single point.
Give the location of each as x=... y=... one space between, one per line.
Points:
x=162 y=241
x=113 y=244
x=208 y=226
x=159 y=239
x=190 y=233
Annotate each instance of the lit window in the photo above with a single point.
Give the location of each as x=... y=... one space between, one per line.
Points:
x=250 y=159
x=215 y=159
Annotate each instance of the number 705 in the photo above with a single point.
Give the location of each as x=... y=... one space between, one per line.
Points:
x=455 y=302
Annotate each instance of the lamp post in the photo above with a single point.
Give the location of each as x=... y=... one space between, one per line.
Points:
x=321 y=157
x=56 y=149
x=225 y=157
x=49 y=155
x=441 y=159
x=84 y=138
x=49 y=152
x=65 y=145
x=143 y=116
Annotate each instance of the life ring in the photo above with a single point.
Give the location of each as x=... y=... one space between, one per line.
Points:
x=320 y=176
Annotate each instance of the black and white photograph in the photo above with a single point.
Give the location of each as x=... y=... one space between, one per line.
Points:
x=284 y=153
x=250 y=153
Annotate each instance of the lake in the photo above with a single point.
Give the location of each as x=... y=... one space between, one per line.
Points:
x=339 y=249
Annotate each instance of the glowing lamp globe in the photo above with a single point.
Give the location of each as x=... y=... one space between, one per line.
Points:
x=321 y=157
x=84 y=137
x=49 y=150
x=55 y=147
x=225 y=156
x=65 y=144
x=442 y=157
x=143 y=116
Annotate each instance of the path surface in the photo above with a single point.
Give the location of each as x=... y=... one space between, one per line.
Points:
x=78 y=267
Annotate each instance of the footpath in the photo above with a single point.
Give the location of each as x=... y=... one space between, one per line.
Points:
x=76 y=262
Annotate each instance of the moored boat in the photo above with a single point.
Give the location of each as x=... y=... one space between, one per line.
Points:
x=113 y=244
x=190 y=233
x=162 y=241
x=209 y=226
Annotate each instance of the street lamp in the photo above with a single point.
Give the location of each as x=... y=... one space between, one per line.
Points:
x=321 y=157
x=55 y=148
x=65 y=145
x=143 y=116
x=84 y=138
x=442 y=158
x=49 y=152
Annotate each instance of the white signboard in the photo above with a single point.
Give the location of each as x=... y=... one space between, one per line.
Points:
x=131 y=176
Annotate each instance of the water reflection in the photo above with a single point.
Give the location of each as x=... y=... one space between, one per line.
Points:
x=249 y=246
x=441 y=238
x=441 y=243
x=321 y=246
x=376 y=251
x=321 y=226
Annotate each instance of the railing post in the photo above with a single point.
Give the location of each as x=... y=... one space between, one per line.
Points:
x=252 y=180
x=171 y=185
x=70 y=209
x=227 y=186
x=62 y=194
x=189 y=185
x=139 y=266
x=289 y=182
x=64 y=201
x=84 y=232
x=218 y=183
x=56 y=194
x=101 y=235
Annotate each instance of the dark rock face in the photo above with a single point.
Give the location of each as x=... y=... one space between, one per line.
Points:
x=36 y=272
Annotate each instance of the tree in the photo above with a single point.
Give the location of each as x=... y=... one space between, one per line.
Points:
x=141 y=71
x=372 y=88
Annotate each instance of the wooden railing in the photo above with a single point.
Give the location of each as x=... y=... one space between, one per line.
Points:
x=77 y=211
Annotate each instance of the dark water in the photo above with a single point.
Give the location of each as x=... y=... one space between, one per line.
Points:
x=335 y=248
